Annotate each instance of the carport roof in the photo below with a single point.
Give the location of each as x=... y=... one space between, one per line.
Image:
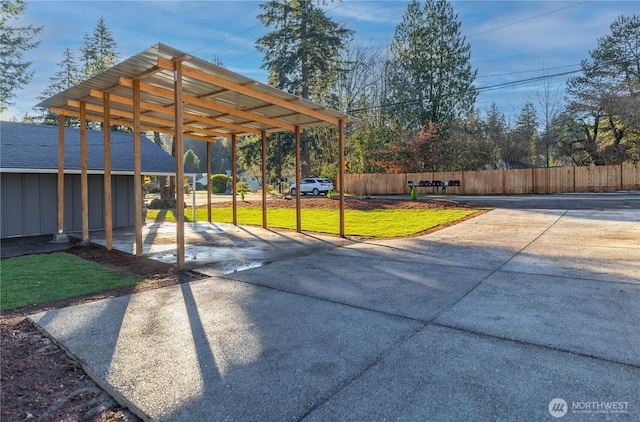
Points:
x=216 y=101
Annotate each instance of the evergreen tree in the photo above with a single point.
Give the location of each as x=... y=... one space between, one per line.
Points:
x=522 y=140
x=469 y=148
x=496 y=133
x=14 y=42
x=99 y=51
x=67 y=76
x=303 y=48
x=191 y=161
x=430 y=73
x=300 y=52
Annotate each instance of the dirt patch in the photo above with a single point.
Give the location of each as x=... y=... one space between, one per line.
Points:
x=40 y=382
x=354 y=203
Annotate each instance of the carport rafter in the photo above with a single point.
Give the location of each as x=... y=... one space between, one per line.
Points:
x=213 y=135
x=167 y=91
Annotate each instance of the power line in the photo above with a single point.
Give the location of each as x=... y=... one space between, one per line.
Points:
x=524 y=81
x=526 y=19
x=480 y=89
x=527 y=71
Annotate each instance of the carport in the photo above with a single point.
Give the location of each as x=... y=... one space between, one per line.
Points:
x=165 y=90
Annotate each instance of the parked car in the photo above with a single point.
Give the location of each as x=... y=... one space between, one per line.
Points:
x=314 y=185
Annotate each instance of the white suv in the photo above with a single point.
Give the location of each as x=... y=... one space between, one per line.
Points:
x=314 y=185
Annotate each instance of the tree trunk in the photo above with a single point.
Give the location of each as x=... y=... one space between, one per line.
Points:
x=162 y=180
x=172 y=179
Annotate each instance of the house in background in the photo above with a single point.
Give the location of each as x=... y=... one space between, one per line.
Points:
x=29 y=169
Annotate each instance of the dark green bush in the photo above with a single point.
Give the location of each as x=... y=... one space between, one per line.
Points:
x=219 y=183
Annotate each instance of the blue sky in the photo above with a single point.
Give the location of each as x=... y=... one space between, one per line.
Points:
x=510 y=40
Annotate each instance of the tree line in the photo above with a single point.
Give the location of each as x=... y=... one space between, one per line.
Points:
x=414 y=101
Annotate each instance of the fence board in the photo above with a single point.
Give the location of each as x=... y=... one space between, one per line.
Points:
x=518 y=182
x=499 y=182
x=630 y=177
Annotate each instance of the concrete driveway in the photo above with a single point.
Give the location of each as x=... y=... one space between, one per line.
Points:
x=517 y=314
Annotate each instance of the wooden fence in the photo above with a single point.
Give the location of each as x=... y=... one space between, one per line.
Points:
x=503 y=182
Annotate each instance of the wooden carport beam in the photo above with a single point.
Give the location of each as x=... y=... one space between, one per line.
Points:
x=163 y=129
x=127 y=123
x=241 y=89
x=187 y=99
x=145 y=107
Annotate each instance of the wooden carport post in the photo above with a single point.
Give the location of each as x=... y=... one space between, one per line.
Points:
x=234 y=202
x=341 y=171
x=298 y=175
x=264 y=179
x=137 y=167
x=209 y=182
x=84 y=179
x=108 y=207
x=179 y=144
x=60 y=175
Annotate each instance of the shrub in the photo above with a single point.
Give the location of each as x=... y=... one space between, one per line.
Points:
x=219 y=183
x=243 y=187
x=414 y=193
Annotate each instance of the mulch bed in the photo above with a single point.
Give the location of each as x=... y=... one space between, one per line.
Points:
x=40 y=382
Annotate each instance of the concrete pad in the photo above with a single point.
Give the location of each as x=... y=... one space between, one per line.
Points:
x=584 y=244
x=484 y=242
x=615 y=264
x=583 y=316
x=216 y=248
x=426 y=250
x=605 y=228
x=522 y=307
x=518 y=217
x=414 y=290
x=501 y=227
x=222 y=350
x=448 y=375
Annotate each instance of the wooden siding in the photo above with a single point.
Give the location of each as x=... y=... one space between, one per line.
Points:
x=504 y=182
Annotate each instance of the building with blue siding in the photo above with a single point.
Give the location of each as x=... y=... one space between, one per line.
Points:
x=29 y=169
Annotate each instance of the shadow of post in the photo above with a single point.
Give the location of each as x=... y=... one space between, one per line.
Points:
x=153 y=228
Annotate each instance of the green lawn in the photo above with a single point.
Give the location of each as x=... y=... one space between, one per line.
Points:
x=373 y=223
x=34 y=279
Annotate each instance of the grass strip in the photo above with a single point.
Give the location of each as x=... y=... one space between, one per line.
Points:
x=34 y=279
x=366 y=223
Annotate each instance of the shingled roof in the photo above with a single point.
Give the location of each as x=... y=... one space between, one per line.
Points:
x=31 y=148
